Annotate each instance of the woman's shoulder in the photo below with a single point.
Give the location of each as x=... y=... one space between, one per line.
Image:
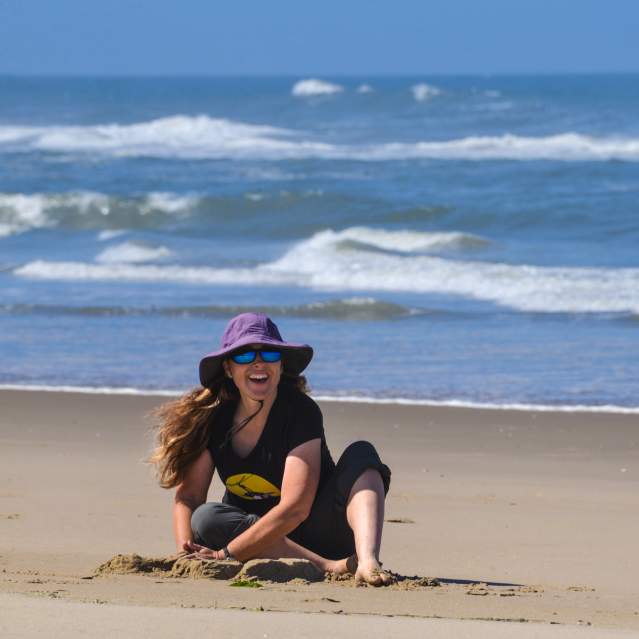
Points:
x=220 y=421
x=301 y=418
x=298 y=399
x=302 y=410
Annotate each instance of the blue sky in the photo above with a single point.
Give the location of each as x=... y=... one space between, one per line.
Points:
x=351 y=37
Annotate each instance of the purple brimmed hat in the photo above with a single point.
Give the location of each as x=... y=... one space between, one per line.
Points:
x=253 y=328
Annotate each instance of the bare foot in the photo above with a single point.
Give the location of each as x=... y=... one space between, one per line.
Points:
x=342 y=566
x=370 y=572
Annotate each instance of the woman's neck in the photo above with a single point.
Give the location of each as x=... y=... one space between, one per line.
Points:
x=248 y=406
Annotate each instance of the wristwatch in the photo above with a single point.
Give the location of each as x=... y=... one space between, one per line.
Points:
x=227 y=554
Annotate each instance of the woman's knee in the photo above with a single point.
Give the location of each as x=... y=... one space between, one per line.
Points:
x=358 y=449
x=358 y=458
x=215 y=524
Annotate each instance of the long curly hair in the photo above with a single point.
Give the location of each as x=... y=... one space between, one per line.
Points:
x=183 y=425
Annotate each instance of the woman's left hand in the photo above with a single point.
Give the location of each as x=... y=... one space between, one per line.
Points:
x=202 y=552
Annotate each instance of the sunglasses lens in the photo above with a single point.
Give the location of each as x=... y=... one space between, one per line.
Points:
x=243 y=358
x=248 y=357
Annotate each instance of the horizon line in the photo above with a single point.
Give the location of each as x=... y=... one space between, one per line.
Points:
x=309 y=74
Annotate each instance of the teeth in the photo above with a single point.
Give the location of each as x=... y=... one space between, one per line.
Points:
x=258 y=377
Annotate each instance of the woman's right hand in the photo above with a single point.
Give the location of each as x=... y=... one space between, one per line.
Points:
x=187 y=546
x=201 y=552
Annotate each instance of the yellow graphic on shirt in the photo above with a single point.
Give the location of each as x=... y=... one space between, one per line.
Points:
x=249 y=486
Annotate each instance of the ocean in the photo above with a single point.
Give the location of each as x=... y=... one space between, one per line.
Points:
x=458 y=240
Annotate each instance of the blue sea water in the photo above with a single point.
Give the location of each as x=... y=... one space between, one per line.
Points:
x=445 y=239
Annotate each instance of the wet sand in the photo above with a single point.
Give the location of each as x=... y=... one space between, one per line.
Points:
x=529 y=519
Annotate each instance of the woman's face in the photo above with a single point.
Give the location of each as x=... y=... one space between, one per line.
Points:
x=257 y=380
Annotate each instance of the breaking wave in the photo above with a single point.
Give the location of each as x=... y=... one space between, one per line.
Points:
x=422 y=91
x=88 y=210
x=202 y=137
x=313 y=86
x=132 y=253
x=364 y=259
x=402 y=241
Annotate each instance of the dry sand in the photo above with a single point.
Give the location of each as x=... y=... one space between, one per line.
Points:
x=526 y=517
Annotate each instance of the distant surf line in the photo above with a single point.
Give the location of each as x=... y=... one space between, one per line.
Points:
x=354 y=399
x=204 y=137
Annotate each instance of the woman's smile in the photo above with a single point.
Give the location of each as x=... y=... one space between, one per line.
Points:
x=258 y=379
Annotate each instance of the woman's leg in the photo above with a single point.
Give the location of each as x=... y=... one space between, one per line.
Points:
x=365 y=516
x=214 y=525
x=348 y=514
x=287 y=548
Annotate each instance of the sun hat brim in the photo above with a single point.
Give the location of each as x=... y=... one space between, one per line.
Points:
x=295 y=357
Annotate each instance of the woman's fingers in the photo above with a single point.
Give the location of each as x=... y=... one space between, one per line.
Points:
x=197 y=551
x=200 y=555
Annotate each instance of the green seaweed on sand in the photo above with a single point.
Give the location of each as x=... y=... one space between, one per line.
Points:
x=246 y=583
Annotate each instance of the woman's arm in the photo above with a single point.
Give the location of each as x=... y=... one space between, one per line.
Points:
x=299 y=485
x=190 y=494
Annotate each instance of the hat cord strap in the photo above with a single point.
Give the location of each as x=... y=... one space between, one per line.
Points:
x=236 y=429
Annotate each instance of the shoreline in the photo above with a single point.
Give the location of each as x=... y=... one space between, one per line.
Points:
x=350 y=399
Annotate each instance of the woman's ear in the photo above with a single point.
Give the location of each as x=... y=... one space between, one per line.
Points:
x=227 y=370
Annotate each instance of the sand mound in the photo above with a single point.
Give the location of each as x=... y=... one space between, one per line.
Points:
x=280 y=570
x=169 y=567
x=273 y=570
x=128 y=564
x=276 y=570
x=205 y=569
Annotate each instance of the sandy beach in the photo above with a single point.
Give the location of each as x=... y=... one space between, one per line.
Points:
x=527 y=523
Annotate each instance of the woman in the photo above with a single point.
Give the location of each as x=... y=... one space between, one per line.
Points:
x=285 y=497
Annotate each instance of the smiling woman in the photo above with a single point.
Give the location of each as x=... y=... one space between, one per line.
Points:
x=285 y=497
x=254 y=371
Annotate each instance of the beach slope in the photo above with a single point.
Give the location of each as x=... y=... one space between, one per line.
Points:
x=516 y=516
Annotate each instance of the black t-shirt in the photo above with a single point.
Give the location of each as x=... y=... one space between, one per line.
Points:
x=253 y=483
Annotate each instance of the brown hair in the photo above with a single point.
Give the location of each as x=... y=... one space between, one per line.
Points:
x=182 y=428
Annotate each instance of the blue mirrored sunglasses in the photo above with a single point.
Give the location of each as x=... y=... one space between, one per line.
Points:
x=248 y=357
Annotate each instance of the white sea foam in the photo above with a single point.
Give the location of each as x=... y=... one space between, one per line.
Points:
x=567 y=146
x=459 y=403
x=350 y=260
x=365 y=88
x=204 y=137
x=132 y=253
x=357 y=399
x=19 y=213
x=323 y=262
x=168 y=202
x=93 y=390
x=82 y=271
x=422 y=91
x=255 y=197
x=7 y=229
x=403 y=240
x=105 y=236
x=313 y=86
x=177 y=136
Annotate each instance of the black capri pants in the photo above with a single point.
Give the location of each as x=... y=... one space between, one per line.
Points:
x=325 y=531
